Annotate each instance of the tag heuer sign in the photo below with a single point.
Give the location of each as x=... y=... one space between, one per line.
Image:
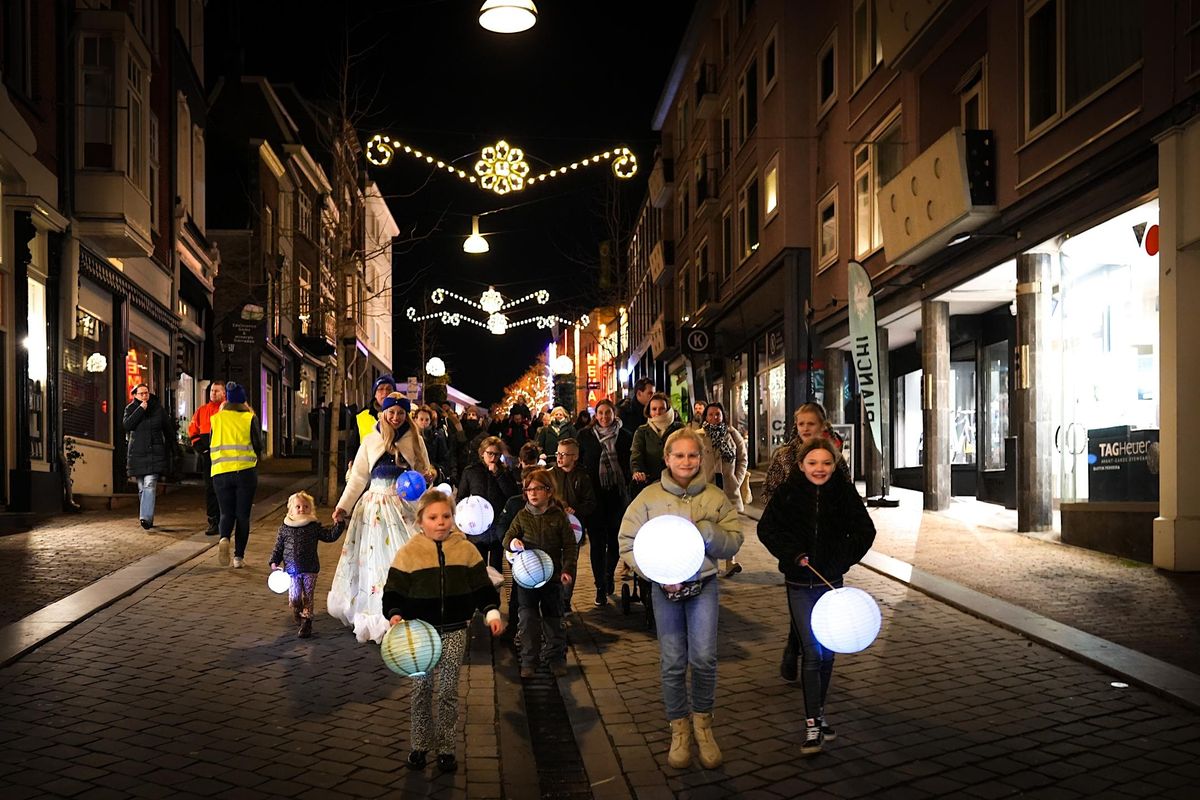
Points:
x=251 y=311
x=698 y=340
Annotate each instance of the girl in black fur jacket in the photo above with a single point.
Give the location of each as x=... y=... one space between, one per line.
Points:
x=816 y=517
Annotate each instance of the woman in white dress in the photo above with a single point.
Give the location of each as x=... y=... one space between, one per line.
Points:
x=382 y=520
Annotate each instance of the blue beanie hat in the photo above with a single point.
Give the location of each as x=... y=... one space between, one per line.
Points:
x=235 y=393
x=388 y=402
x=384 y=380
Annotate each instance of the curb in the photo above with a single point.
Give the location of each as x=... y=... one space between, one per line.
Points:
x=1147 y=672
x=32 y=631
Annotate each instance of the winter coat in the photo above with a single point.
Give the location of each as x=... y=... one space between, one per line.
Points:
x=150 y=435
x=647 y=453
x=439 y=453
x=574 y=490
x=548 y=437
x=701 y=502
x=478 y=481
x=733 y=473
x=829 y=524
x=632 y=414
x=296 y=546
x=786 y=461
x=442 y=583
x=590 y=448
x=550 y=532
x=200 y=428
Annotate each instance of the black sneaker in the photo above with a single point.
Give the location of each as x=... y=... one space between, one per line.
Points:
x=212 y=530
x=828 y=734
x=813 y=740
x=417 y=759
x=447 y=762
x=145 y=523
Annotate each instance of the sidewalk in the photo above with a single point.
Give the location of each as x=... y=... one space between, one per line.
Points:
x=69 y=553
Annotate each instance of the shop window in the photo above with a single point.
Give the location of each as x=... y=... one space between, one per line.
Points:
x=875 y=163
x=995 y=403
x=868 y=50
x=86 y=380
x=908 y=439
x=962 y=429
x=827 y=74
x=827 y=229
x=1073 y=50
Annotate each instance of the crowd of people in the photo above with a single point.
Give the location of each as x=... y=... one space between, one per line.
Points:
x=610 y=470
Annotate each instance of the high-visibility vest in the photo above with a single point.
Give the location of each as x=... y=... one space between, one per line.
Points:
x=231 y=449
x=366 y=423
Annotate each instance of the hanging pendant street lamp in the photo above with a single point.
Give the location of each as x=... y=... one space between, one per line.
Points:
x=508 y=16
x=475 y=243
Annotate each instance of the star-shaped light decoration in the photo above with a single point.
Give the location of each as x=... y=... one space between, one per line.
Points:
x=493 y=304
x=501 y=168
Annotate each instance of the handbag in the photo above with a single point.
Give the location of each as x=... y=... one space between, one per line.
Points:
x=747 y=495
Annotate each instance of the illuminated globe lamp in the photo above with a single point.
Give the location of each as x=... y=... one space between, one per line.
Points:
x=507 y=16
x=279 y=581
x=445 y=489
x=563 y=365
x=474 y=515
x=410 y=485
x=668 y=549
x=846 y=620
x=491 y=301
x=497 y=324
x=411 y=648
x=576 y=527
x=435 y=367
x=532 y=568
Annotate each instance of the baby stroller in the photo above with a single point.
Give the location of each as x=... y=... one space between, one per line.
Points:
x=637 y=590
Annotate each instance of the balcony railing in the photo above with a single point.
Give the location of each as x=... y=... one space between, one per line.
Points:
x=662 y=182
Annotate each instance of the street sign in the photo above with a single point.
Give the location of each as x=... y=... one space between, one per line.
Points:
x=698 y=340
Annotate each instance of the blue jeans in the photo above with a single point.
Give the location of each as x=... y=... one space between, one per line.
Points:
x=687 y=635
x=816 y=662
x=147 y=493
x=235 y=494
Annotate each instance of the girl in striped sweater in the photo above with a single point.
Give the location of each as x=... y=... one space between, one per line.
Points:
x=439 y=577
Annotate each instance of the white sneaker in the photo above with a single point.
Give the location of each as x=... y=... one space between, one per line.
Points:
x=237 y=562
x=223 y=552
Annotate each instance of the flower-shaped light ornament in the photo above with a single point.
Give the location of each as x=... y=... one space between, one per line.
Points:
x=501 y=168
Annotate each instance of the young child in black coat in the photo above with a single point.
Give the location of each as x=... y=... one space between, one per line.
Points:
x=296 y=554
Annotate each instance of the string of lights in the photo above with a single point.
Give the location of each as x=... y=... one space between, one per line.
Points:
x=501 y=168
x=493 y=304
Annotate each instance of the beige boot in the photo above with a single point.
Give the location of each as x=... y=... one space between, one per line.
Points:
x=710 y=754
x=680 y=755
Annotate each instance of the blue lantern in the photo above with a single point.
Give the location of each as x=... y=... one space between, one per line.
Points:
x=846 y=620
x=411 y=648
x=410 y=485
x=532 y=568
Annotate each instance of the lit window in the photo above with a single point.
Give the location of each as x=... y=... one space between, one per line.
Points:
x=868 y=50
x=827 y=229
x=875 y=163
x=771 y=187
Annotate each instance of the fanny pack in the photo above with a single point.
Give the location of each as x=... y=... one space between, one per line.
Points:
x=686 y=590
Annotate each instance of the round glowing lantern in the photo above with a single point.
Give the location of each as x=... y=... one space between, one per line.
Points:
x=279 y=581
x=669 y=549
x=445 y=489
x=576 y=527
x=474 y=515
x=846 y=620
x=410 y=485
x=411 y=648
x=532 y=568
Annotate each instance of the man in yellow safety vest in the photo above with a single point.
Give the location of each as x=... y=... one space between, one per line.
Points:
x=365 y=420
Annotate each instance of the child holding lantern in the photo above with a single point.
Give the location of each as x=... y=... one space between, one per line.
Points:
x=542 y=524
x=439 y=577
x=817 y=526
x=296 y=554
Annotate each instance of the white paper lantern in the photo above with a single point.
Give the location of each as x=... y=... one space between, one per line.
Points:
x=474 y=515
x=411 y=648
x=576 y=527
x=279 y=581
x=445 y=489
x=846 y=620
x=532 y=568
x=669 y=549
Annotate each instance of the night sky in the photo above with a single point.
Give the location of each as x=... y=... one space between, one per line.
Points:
x=585 y=78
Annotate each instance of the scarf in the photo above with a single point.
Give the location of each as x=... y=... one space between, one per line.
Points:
x=662 y=422
x=722 y=442
x=610 y=466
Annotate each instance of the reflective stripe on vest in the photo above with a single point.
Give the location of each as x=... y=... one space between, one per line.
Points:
x=231 y=449
x=366 y=423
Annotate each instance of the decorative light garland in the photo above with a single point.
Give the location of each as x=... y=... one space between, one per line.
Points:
x=492 y=303
x=501 y=168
